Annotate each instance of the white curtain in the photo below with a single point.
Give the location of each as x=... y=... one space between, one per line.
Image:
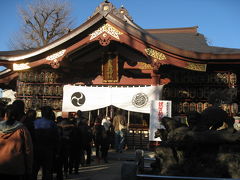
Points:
x=87 y=98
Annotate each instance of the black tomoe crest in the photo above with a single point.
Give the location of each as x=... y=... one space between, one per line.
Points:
x=78 y=99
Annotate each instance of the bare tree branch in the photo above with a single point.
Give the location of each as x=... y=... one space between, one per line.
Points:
x=43 y=22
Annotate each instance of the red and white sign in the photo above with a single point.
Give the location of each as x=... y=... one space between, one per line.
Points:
x=159 y=109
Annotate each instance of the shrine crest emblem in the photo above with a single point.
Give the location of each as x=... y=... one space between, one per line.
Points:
x=78 y=99
x=139 y=100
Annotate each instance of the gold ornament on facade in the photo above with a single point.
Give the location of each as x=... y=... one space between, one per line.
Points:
x=144 y=66
x=155 y=54
x=196 y=66
x=110 y=69
x=107 y=28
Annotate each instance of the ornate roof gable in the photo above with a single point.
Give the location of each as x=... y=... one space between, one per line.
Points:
x=107 y=7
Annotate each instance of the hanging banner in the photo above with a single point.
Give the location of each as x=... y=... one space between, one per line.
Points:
x=159 y=109
x=85 y=98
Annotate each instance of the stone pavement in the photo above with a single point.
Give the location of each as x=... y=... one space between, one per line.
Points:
x=106 y=171
x=102 y=171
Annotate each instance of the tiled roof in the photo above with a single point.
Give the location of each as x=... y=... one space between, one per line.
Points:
x=193 y=42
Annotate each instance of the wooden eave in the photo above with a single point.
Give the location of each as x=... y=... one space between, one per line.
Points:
x=53 y=45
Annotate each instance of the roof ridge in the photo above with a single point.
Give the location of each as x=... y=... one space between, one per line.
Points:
x=106 y=7
x=192 y=29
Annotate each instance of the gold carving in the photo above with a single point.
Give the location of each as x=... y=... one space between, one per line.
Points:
x=196 y=66
x=155 y=54
x=110 y=68
x=145 y=66
x=108 y=29
x=19 y=67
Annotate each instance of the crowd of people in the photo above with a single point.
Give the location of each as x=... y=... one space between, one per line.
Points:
x=53 y=144
x=206 y=146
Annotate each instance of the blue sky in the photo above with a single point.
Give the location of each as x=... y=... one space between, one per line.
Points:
x=218 y=20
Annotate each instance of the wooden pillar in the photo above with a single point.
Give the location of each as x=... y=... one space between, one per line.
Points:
x=155 y=78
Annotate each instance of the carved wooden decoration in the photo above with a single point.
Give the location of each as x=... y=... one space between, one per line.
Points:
x=55 y=58
x=104 y=39
x=144 y=66
x=105 y=34
x=155 y=54
x=110 y=68
x=55 y=64
x=196 y=66
x=157 y=57
x=107 y=28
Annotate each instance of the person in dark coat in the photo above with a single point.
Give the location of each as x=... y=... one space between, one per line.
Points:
x=19 y=106
x=214 y=117
x=86 y=137
x=106 y=123
x=46 y=143
x=98 y=131
x=70 y=148
x=59 y=157
x=31 y=116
